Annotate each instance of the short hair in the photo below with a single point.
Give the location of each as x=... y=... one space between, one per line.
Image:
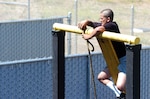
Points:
x=108 y=13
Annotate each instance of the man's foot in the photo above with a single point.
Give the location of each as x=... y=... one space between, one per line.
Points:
x=122 y=96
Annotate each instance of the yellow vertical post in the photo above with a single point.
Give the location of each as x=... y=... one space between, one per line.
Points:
x=110 y=57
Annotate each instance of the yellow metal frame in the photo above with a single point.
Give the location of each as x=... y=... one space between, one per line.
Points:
x=104 y=40
x=107 y=35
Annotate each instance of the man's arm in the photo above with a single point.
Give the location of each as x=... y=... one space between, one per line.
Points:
x=95 y=32
x=82 y=25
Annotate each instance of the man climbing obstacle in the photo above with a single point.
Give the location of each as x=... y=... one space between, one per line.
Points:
x=107 y=24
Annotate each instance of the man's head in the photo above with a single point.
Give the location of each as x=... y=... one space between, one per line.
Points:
x=106 y=15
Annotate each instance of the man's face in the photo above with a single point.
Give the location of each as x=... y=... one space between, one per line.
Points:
x=104 y=19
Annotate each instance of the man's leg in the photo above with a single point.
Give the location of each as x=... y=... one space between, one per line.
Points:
x=121 y=81
x=103 y=77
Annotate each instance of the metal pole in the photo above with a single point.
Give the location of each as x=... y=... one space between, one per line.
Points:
x=76 y=11
x=28 y=9
x=58 y=65
x=133 y=71
x=69 y=34
x=132 y=20
x=76 y=20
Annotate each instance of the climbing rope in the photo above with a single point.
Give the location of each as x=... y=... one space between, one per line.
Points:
x=91 y=67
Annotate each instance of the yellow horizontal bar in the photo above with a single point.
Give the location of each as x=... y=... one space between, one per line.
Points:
x=67 y=28
x=107 y=35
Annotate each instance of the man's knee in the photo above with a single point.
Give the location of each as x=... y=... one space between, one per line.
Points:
x=99 y=77
x=120 y=87
x=102 y=76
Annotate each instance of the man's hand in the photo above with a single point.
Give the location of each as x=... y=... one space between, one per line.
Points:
x=86 y=36
x=82 y=25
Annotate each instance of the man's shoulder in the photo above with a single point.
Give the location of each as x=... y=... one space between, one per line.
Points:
x=112 y=27
x=112 y=23
x=96 y=24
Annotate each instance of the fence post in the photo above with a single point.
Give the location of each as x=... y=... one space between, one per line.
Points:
x=69 y=34
x=133 y=71
x=132 y=20
x=28 y=9
x=58 y=65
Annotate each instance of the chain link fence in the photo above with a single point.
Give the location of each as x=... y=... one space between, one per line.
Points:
x=33 y=78
x=131 y=15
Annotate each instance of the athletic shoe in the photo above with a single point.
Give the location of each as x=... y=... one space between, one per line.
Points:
x=122 y=96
